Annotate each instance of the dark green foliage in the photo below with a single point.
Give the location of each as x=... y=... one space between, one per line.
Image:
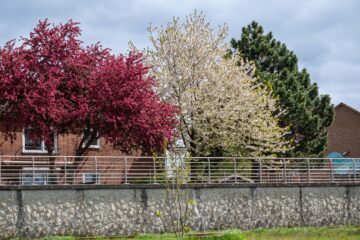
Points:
x=307 y=113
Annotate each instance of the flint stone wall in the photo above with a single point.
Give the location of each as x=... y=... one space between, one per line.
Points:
x=127 y=211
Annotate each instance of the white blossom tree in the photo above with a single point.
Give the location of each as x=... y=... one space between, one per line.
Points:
x=223 y=110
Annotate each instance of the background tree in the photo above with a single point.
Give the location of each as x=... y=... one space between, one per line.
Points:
x=53 y=84
x=34 y=81
x=307 y=113
x=223 y=111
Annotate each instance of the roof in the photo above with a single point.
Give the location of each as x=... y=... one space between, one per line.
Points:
x=348 y=107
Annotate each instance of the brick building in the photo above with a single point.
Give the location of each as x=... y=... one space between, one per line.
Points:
x=344 y=133
x=24 y=161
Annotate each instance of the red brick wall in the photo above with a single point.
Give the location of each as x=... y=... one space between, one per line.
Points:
x=344 y=133
x=112 y=169
x=66 y=143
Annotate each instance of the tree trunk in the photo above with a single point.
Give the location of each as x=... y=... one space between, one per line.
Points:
x=52 y=176
x=211 y=167
x=255 y=170
x=74 y=169
x=194 y=162
x=88 y=137
x=195 y=170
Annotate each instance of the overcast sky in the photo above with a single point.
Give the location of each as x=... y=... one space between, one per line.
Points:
x=324 y=34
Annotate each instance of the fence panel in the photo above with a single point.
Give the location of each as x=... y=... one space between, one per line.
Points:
x=116 y=170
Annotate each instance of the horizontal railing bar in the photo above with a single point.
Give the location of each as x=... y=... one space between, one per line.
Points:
x=148 y=157
x=62 y=170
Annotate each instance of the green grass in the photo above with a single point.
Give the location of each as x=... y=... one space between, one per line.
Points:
x=59 y=238
x=322 y=233
x=306 y=233
x=226 y=235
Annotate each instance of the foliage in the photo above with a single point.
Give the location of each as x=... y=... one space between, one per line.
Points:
x=307 y=113
x=223 y=111
x=54 y=84
x=174 y=175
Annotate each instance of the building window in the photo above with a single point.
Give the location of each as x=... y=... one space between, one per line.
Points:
x=29 y=145
x=91 y=178
x=95 y=143
x=34 y=176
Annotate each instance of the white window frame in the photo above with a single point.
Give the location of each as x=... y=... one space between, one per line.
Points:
x=93 y=146
x=43 y=147
x=35 y=172
x=97 y=178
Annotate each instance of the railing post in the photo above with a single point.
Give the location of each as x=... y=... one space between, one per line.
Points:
x=154 y=168
x=235 y=170
x=209 y=174
x=308 y=170
x=33 y=171
x=260 y=167
x=0 y=170
x=73 y=173
x=96 y=170
x=332 y=171
x=65 y=170
x=125 y=171
x=354 y=170
x=284 y=176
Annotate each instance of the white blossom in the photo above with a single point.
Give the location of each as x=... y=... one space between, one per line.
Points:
x=221 y=104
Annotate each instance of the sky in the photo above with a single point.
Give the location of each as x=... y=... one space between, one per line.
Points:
x=324 y=34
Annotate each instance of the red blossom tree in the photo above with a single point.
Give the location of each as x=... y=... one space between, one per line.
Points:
x=52 y=83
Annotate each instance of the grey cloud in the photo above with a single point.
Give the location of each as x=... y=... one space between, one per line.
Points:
x=324 y=34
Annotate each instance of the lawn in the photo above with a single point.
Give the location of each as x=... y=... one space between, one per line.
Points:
x=323 y=233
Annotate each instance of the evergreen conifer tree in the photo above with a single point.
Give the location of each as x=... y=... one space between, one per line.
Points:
x=307 y=113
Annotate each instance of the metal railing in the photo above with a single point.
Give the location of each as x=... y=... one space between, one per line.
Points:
x=114 y=170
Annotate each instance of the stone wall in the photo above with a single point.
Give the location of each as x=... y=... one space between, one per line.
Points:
x=127 y=211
